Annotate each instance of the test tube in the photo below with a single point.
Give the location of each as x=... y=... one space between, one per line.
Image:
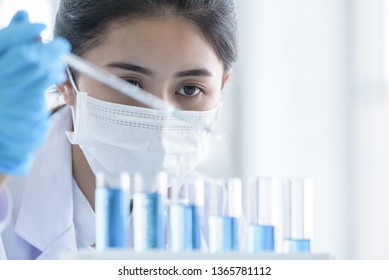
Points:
x=186 y=202
x=148 y=212
x=112 y=208
x=262 y=213
x=225 y=217
x=298 y=215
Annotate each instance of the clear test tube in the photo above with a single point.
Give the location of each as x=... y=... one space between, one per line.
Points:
x=223 y=222
x=298 y=215
x=148 y=212
x=112 y=209
x=187 y=200
x=263 y=212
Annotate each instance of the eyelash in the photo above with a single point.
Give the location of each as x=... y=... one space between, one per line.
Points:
x=196 y=86
x=131 y=81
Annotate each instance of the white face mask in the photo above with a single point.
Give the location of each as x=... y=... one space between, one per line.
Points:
x=116 y=138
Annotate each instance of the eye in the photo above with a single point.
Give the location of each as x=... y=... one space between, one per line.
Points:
x=190 y=90
x=134 y=82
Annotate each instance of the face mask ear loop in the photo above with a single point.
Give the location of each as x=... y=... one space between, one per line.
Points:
x=217 y=115
x=72 y=80
x=75 y=93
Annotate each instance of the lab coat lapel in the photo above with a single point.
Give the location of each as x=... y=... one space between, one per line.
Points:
x=45 y=219
x=64 y=243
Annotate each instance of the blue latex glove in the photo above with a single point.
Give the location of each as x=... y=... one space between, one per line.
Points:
x=27 y=68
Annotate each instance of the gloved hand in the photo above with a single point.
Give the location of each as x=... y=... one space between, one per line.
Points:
x=27 y=68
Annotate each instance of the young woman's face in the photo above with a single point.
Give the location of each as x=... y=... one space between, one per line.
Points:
x=165 y=56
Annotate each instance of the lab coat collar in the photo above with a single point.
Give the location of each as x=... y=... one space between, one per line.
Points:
x=45 y=218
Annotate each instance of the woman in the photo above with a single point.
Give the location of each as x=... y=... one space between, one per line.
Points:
x=181 y=51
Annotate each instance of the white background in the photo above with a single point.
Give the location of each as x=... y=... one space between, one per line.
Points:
x=308 y=98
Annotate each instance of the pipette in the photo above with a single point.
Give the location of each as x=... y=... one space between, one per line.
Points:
x=132 y=91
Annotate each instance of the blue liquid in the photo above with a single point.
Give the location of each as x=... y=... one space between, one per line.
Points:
x=149 y=231
x=112 y=208
x=185 y=227
x=297 y=245
x=261 y=238
x=192 y=227
x=223 y=233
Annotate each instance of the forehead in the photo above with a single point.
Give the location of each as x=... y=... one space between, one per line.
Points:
x=169 y=42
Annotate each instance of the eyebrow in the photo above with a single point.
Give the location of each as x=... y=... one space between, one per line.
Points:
x=194 y=72
x=131 y=67
x=201 y=72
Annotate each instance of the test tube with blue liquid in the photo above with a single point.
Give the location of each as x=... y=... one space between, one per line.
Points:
x=298 y=215
x=225 y=214
x=149 y=212
x=187 y=200
x=112 y=209
x=263 y=197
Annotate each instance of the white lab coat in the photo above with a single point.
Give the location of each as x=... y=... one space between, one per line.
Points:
x=46 y=203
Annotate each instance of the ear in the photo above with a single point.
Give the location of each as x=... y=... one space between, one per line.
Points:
x=226 y=78
x=68 y=93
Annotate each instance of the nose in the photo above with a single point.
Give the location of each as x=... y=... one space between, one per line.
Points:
x=164 y=93
x=158 y=91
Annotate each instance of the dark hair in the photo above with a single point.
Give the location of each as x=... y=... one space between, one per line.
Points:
x=85 y=22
